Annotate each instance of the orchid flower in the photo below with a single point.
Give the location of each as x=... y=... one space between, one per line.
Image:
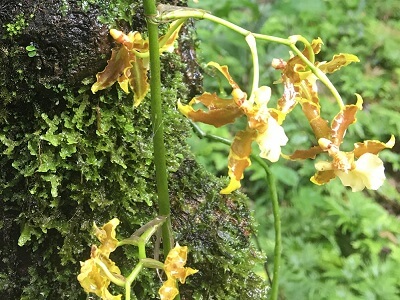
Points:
x=359 y=168
x=263 y=124
x=175 y=270
x=367 y=171
x=93 y=277
x=129 y=64
x=300 y=81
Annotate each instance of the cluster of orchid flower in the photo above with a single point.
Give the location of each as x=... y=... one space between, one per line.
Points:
x=99 y=271
x=358 y=169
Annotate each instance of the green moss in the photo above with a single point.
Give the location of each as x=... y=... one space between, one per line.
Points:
x=16 y=27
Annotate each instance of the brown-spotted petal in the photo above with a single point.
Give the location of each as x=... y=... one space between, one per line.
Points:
x=93 y=279
x=138 y=81
x=338 y=61
x=122 y=38
x=119 y=61
x=316 y=45
x=343 y=119
x=304 y=154
x=319 y=126
x=322 y=177
x=106 y=235
x=174 y=265
x=168 y=290
x=220 y=111
x=238 y=159
x=372 y=146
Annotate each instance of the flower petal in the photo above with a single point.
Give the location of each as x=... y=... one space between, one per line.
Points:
x=169 y=44
x=343 y=119
x=369 y=172
x=322 y=177
x=220 y=111
x=90 y=277
x=224 y=70
x=175 y=262
x=168 y=290
x=238 y=159
x=304 y=154
x=351 y=179
x=373 y=147
x=106 y=235
x=271 y=140
x=338 y=61
x=319 y=126
x=119 y=61
x=138 y=81
x=93 y=279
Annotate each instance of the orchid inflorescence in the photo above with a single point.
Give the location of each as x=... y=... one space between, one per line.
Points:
x=99 y=271
x=358 y=169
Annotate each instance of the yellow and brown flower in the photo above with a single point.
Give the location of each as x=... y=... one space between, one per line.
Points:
x=263 y=124
x=129 y=65
x=93 y=277
x=359 y=168
x=175 y=269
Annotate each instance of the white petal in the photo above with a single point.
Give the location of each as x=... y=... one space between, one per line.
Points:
x=262 y=95
x=369 y=173
x=271 y=140
x=372 y=170
x=351 y=179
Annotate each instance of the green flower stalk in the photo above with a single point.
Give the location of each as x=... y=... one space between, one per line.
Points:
x=157 y=120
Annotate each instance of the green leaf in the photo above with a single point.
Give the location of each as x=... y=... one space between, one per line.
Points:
x=54 y=181
x=67 y=151
x=26 y=235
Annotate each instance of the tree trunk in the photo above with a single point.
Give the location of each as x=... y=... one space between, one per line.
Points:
x=70 y=158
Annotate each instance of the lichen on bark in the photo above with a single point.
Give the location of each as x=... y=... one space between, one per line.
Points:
x=69 y=158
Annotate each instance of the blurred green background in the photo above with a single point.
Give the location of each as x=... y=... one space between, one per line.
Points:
x=336 y=244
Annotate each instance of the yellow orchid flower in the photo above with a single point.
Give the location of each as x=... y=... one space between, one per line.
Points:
x=359 y=168
x=299 y=81
x=93 y=277
x=174 y=268
x=263 y=124
x=127 y=66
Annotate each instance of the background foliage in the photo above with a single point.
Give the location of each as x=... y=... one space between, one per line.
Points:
x=336 y=244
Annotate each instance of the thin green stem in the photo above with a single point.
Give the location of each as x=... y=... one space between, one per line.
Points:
x=135 y=272
x=157 y=121
x=131 y=278
x=275 y=206
x=277 y=225
x=251 y=41
x=290 y=42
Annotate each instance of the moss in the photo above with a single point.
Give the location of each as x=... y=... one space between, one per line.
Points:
x=16 y=27
x=71 y=158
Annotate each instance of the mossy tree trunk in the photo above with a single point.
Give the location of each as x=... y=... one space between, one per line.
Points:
x=69 y=158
